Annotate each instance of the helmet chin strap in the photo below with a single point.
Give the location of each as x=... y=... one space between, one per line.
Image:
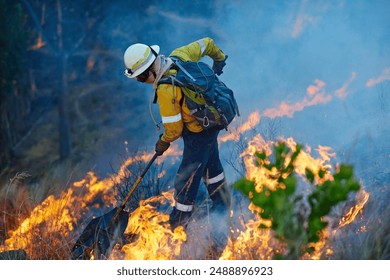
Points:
x=153 y=73
x=152 y=68
x=153 y=51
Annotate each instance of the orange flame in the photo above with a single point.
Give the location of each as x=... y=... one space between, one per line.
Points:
x=47 y=233
x=255 y=242
x=39 y=44
x=54 y=219
x=155 y=240
x=315 y=94
x=289 y=110
x=234 y=134
x=385 y=76
x=252 y=243
x=362 y=198
x=57 y=216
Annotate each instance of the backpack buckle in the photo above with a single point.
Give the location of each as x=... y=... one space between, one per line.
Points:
x=206 y=121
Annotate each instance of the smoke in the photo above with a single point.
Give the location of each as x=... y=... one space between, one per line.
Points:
x=313 y=66
x=207 y=236
x=320 y=68
x=316 y=71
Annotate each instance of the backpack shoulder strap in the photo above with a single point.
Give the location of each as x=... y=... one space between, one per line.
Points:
x=170 y=80
x=177 y=65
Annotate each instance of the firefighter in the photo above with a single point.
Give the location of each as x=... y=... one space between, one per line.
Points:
x=200 y=155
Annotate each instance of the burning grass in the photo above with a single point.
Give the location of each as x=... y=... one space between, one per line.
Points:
x=49 y=230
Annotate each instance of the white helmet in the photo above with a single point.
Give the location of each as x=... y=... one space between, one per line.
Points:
x=138 y=58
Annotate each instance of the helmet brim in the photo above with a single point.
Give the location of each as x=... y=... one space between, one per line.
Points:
x=139 y=71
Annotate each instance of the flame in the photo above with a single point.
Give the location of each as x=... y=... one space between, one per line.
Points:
x=325 y=152
x=39 y=44
x=254 y=242
x=304 y=161
x=385 y=76
x=315 y=94
x=234 y=135
x=155 y=240
x=286 y=109
x=90 y=62
x=251 y=243
x=49 y=232
x=343 y=91
x=318 y=87
x=55 y=217
x=362 y=198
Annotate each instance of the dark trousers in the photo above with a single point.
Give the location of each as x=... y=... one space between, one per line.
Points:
x=200 y=159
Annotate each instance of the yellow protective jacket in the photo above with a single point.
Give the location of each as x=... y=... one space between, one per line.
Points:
x=174 y=116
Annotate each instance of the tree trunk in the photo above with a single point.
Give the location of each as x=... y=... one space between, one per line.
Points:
x=63 y=114
x=5 y=142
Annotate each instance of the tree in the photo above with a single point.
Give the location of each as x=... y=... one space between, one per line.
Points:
x=13 y=45
x=62 y=33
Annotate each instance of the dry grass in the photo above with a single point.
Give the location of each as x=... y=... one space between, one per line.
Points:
x=368 y=237
x=15 y=204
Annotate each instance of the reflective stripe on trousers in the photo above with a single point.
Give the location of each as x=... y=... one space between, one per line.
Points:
x=200 y=156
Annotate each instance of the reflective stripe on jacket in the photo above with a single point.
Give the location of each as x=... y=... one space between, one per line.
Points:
x=174 y=115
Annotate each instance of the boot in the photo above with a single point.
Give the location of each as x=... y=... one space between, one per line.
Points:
x=179 y=218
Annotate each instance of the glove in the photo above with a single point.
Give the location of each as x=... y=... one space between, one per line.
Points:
x=161 y=146
x=218 y=66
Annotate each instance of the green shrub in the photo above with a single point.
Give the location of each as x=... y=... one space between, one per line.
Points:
x=296 y=220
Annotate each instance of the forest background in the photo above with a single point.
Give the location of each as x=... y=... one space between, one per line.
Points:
x=316 y=71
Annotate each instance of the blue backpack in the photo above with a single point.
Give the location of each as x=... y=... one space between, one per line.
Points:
x=210 y=101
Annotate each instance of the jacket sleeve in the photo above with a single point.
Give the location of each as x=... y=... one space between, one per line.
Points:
x=168 y=99
x=198 y=49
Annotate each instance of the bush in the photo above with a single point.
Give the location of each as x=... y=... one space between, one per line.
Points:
x=296 y=220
